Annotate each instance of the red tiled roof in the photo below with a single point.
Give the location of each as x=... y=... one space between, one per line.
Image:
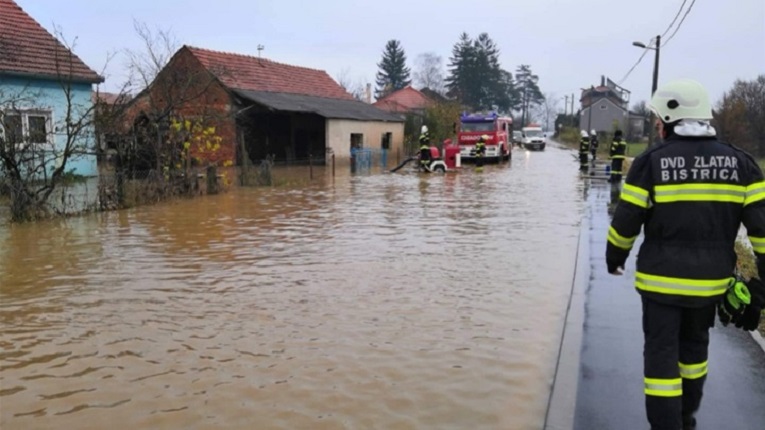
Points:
x=27 y=48
x=244 y=72
x=405 y=99
x=109 y=98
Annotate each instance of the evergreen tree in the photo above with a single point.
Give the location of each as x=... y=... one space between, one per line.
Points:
x=528 y=88
x=460 y=69
x=393 y=74
x=476 y=77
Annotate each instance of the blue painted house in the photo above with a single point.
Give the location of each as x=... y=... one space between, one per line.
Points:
x=42 y=84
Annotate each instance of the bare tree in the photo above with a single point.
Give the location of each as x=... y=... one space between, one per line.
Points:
x=354 y=86
x=546 y=111
x=429 y=72
x=739 y=115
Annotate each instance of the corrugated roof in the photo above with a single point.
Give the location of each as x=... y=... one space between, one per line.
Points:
x=244 y=72
x=322 y=106
x=26 y=48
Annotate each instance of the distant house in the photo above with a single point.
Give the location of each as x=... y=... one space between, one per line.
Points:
x=36 y=73
x=603 y=107
x=262 y=108
x=405 y=100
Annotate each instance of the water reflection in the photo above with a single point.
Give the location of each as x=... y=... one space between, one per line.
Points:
x=371 y=301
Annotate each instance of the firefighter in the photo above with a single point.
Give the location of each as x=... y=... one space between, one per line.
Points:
x=689 y=194
x=594 y=144
x=424 y=148
x=616 y=154
x=584 y=149
x=480 y=151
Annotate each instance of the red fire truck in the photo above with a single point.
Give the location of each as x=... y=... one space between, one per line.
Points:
x=498 y=129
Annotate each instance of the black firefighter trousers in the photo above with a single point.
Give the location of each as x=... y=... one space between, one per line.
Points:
x=675 y=361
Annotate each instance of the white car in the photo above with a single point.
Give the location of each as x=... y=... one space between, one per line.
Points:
x=534 y=138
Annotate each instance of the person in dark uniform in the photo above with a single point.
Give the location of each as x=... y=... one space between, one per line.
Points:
x=594 y=142
x=480 y=151
x=424 y=149
x=617 y=154
x=584 y=150
x=690 y=195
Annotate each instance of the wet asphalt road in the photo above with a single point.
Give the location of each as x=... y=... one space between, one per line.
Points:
x=610 y=387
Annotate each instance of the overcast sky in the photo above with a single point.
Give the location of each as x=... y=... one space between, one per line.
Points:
x=568 y=43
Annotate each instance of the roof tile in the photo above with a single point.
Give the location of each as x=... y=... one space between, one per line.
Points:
x=28 y=48
x=244 y=72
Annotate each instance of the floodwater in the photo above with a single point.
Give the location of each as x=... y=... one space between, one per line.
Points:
x=376 y=301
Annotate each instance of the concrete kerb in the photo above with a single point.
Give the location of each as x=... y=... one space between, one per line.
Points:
x=561 y=407
x=759 y=339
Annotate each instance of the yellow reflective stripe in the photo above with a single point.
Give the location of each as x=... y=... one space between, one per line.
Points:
x=635 y=195
x=681 y=286
x=755 y=192
x=620 y=241
x=664 y=387
x=617 y=157
x=699 y=193
x=693 y=371
x=758 y=244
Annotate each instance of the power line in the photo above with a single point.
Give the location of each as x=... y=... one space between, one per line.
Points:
x=627 y=75
x=645 y=51
x=680 y=24
x=677 y=15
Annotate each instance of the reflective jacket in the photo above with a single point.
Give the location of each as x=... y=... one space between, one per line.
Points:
x=425 y=139
x=690 y=195
x=480 y=149
x=584 y=145
x=618 y=149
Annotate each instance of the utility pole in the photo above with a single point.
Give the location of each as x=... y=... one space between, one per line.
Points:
x=589 y=109
x=653 y=89
x=654 y=83
x=573 y=118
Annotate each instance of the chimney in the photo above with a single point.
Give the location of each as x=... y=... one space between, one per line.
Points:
x=368 y=94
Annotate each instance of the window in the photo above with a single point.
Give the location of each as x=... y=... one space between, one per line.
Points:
x=38 y=128
x=386 y=138
x=603 y=106
x=477 y=126
x=27 y=126
x=12 y=128
x=357 y=140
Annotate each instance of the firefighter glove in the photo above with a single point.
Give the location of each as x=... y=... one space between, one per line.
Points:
x=734 y=303
x=750 y=319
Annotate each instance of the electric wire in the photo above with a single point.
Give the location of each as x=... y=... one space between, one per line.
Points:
x=677 y=15
x=680 y=24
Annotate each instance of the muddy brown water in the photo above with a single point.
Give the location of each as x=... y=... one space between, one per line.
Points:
x=390 y=301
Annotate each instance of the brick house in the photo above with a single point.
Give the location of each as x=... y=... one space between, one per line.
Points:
x=260 y=107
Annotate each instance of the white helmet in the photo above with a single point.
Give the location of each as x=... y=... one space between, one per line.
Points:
x=424 y=129
x=593 y=132
x=584 y=133
x=681 y=99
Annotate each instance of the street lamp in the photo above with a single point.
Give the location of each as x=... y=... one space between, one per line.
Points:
x=655 y=83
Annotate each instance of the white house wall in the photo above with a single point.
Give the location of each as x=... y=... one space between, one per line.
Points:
x=339 y=133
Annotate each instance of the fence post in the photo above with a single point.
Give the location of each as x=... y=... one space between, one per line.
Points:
x=310 y=166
